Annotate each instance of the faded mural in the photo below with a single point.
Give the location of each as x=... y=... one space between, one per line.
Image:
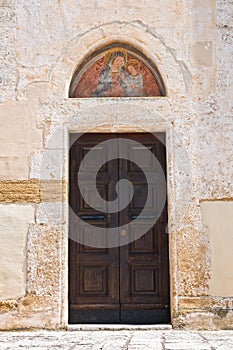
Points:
x=117 y=73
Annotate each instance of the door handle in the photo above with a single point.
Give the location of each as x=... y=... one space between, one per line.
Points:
x=143 y=217
x=92 y=217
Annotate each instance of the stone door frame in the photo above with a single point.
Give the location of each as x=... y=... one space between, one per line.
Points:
x=118 y=127
x=145 y=114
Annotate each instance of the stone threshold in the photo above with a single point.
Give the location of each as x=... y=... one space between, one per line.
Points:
x=118 y=327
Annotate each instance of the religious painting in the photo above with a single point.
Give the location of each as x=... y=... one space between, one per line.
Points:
x=116 y=72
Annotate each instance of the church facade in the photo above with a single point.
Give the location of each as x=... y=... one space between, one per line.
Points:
x=157 y=77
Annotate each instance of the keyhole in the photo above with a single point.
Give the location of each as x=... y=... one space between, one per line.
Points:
x=123 y=232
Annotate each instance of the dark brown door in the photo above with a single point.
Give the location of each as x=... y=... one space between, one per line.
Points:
x=129 y=283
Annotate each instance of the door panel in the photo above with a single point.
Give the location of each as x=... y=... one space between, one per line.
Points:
x=93 y=272
x=129 y=283
x=142 y=270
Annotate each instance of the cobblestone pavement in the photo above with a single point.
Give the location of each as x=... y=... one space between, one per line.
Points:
x=117 y=340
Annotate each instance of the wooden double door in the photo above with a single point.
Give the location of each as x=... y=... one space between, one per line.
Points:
x=128 y=283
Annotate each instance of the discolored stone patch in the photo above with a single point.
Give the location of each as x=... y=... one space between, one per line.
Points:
x=32 y=191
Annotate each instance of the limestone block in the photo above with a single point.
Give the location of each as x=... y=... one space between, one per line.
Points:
x=8 y=80
x=10 y=166
x=7 y=16
x=44 y=259
x=60 y=18
x=203 y=302
x=7 y=3
x=217 y=215
x=20 y=191
x=192 y=267
x=225 y=13
x=53 y=191
x=35 y=164
x=18 y=137
x=47 y=165
x=54 y=137
x=14 y=225
x=203 y=18
x=50 y=213
x=33 y=191
x=202 y=53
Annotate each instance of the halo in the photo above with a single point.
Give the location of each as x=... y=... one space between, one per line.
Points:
x=133 y=63
x=115 y=50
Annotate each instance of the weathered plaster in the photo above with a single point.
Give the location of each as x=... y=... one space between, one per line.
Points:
x=217 y=216
x=19 y=134
x=14 y=225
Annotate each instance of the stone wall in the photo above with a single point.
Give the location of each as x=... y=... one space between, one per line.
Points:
x=42 y=44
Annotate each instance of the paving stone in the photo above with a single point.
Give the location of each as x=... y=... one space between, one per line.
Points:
x=116 y=340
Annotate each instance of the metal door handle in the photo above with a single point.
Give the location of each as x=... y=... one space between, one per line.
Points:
x=92 y=217
x=143 y=217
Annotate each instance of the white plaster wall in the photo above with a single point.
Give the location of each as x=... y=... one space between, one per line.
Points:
x=20 y=135
x=14 y=226
x=217 y=216
x=215 y=128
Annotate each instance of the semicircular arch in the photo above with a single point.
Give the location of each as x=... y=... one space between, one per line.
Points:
x=134 y=34
x=117 y=70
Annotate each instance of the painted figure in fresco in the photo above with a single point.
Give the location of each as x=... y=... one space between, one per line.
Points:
x=109 y=78
x=131 y=80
